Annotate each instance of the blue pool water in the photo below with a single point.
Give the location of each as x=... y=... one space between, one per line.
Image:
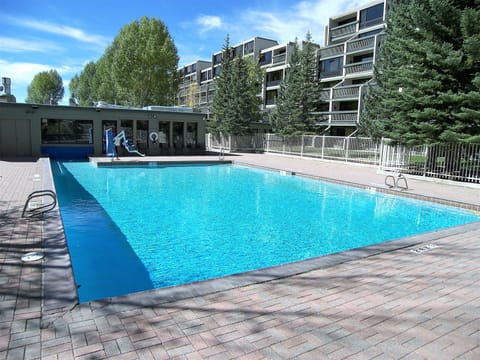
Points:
x=135 y=228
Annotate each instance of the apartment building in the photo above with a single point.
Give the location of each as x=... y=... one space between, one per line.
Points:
x=197 y=88
x=188 y=91
x=345 y=65
x=275 y=62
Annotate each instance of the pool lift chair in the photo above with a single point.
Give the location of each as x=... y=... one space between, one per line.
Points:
x=121 y=137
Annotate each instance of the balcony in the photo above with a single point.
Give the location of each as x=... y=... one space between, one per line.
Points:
x=331 y=51
x=279 y=59
x=270 y=101
x=332 y=73
x=337 y=118
x=344 y=30
x=273 y=83
x=346 y=92
x=360 y=44
x=324 y=95
x=358 y=68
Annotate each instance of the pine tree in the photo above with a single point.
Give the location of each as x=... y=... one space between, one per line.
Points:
x=427 y=87
x=235 y=103
x=222 y=111
x=298 y=94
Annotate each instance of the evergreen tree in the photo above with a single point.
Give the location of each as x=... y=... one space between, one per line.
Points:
x=235 y=103
x=299 y=92
x=427 y=87
x=45 y=88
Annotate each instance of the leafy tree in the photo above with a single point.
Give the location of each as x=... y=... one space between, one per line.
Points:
x=103 y=83
x=144 y=64
x=235 y=103
x=427 y=77
x=299 y=92
x=74 y=86
x=45 y=88
x=85 y=90
x=139 y=68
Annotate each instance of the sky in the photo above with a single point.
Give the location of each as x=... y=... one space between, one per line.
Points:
x=39 y=36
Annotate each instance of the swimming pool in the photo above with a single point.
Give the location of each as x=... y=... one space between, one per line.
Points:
x=130 y=229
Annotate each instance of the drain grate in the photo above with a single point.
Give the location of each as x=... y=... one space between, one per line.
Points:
x=423 y=248
x=32 y=256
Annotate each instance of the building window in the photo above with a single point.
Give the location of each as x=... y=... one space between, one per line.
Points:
x=371 y=16
x=58 y=131
x=178 y=135
x=331 y=67
x=271 y=97
x=163 y=134
x=237 y=52
x=248 y=48
x=141 y=139
x=217 y=59
x=127 y=126
x=265 y=58
x=191 y=139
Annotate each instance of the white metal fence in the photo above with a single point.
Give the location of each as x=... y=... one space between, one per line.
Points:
x=348 y=149
x=458 y=162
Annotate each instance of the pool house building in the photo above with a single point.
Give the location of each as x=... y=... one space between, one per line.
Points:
x=77 y=132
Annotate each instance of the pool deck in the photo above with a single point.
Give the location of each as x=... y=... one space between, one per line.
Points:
x=415 y=298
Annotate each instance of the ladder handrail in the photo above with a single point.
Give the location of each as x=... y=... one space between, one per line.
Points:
x=395 y=182
x=43 y=208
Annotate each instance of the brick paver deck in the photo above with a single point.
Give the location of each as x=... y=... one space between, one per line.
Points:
x=420 y=300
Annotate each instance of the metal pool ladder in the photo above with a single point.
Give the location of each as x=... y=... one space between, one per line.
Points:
x=34 y=205
x=399 y=182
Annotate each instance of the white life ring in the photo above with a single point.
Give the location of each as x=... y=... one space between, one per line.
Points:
x=154 y=136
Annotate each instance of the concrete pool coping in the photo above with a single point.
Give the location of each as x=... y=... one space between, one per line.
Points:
x=57 y=259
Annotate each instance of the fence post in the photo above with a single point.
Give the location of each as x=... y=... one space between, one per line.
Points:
x=347 y=145
x=323 y=144
x=283 y=142
x=380 y=155
x=301 y=149
x=268 y=142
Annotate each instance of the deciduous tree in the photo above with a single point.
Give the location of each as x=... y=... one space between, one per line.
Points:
x=45 y=88
x=139 y=68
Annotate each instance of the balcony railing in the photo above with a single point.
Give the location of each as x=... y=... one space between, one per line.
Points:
x=365 y=66
x=346 y=92
x=337 y=118
x=324 y=95
x=270 y=101
x=361 y=44
x=333 y=73
x=331 y=51
x=343 y=30
x=273 y=83
x=279 y=59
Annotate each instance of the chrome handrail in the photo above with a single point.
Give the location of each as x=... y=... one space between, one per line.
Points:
x=42 y=208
